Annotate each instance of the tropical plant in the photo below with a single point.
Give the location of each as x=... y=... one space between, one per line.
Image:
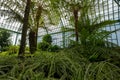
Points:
x=74 y=8
x=93 y=39
x=46 y=45
x=57 y=66
x=53 y=48
x=35 y=16
x=24 y=28
x=92 y=30
x=37 y=20
x=5 y=41
x=46 y=42
x=18 y=10
x=13 y=50
x=47 y=38
x=38 y=9
x=43 y=46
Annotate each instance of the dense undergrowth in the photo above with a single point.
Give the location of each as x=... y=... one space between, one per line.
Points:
x=64 y=65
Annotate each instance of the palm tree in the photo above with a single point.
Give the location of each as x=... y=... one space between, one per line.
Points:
x=40 y=16
x=89 y=30
x=74 y=8
x=34 y=25
x=38 y=9
x=93 y=38
x=24 y=28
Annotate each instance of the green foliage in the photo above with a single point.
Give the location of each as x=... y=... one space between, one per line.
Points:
x=72 y=44
x=26 y=48
x=13 y=49
x=47 y=38
x=46 y=45
x=5 y=53
x=92 y=39
x=43 y=46
x=54 y=48
x=66 y=65
x=4 y=40
x=91 y=32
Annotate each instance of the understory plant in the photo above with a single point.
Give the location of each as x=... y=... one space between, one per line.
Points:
x=13 y=49
x=5 y=41
x=64 y=65
x=46 y=44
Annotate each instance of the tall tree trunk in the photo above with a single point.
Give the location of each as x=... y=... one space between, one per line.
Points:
x=36 y=36
x=32 y=41
x=75 y=12
x=34 y=33
x=24 y=29
x=38 y=15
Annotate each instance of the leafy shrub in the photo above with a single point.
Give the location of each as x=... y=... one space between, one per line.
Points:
x=72 y=44
x=4 y=48
x=13 y=49
x=46 y=42
x=26 y=48
x=27 y=51
x=53 y=48
x=43 y=46
x=5 y=53
x=47 y=38
x=4 y=40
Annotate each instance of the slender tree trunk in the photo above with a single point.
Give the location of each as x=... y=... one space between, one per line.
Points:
x=38 y=15
x=75 y=12
x=34 y=33
x=32 y=41
x=36 y=36
x=24 y=29
x=46 y=30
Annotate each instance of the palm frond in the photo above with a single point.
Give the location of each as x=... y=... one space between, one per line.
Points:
x=102 y=24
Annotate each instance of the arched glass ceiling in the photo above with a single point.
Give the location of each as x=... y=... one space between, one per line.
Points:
x=10 y=25
x=9 y=8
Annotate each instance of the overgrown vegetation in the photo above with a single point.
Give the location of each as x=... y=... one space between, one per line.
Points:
x=64 y=65
x=5 y=41
x=47 y=38
x=46 y=44
x=13 y=50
